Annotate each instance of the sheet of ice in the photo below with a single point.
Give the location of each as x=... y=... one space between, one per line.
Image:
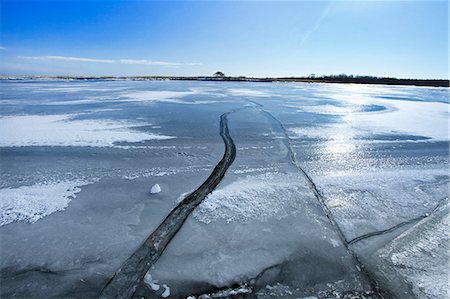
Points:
x=169 y=96
x=157 y=95
x=62 y=130
x=364 y=202
x=31 y=203
x=426 y=119
x=246 y=92
x=253 y=197
x=408 y=117
x=69 y=88
x=420 y=255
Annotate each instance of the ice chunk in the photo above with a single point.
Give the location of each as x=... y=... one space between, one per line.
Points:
x=155 y=189
x=166 y=292
x=148 y=280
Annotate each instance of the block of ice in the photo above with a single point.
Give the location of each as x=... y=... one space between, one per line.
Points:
x=155 y=189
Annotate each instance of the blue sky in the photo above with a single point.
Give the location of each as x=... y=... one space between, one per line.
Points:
x=407 y=39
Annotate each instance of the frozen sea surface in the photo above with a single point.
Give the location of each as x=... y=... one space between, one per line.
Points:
x=79 y=158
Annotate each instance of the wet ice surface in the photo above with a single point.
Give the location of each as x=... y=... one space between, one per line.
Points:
x=256 y=227
x=79 y=160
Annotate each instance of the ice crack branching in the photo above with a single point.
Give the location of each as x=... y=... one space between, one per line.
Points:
x=401 y=224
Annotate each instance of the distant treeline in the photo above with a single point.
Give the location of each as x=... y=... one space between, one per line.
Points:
x=310 y=79
x=368 y=80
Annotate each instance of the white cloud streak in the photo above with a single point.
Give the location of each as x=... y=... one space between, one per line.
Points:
x=317 y=24
x=112 y=61
x=3 y=48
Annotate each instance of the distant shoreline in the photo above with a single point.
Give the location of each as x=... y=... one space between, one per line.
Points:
x=323 y=79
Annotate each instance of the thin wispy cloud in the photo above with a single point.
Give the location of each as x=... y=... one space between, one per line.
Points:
x=68 y=58
x=3 y=48
x=112 y=61
x=317 y=24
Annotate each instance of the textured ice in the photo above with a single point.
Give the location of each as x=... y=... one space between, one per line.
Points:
x=400 y=117
x=256 y=197
x=363 y=202
x=31 y=203
x=342 y=132
x=63 y=130
x=420 y=256
x=408 y=117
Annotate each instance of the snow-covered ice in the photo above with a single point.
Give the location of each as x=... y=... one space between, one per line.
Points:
x=31 y=203
x=364 y=202
x=255 y=197
x=64 y=130
x=377 y=154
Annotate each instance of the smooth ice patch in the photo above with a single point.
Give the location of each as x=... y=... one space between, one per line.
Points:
x=157 y=95
x=245 y=92
x=258 y=197
x=168 y=96
x=31 y=203
x=61 y=130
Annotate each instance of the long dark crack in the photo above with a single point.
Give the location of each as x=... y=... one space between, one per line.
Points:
x=397 y=226
x=124 y=282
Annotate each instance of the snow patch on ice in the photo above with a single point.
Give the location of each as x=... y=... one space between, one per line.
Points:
x=259 y=169
x=244 y=92
x=63 y=130
x=258 y=197
x=31 y=203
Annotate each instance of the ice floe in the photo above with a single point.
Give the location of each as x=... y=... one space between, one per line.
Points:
x=420 y=255
x=258 y=197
